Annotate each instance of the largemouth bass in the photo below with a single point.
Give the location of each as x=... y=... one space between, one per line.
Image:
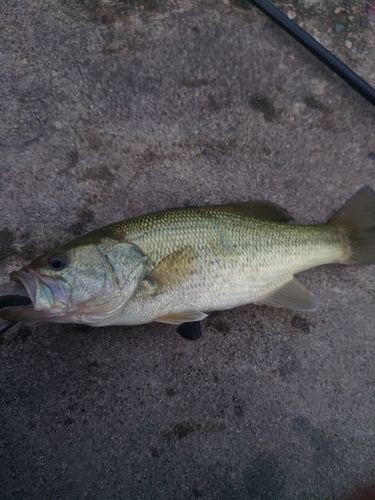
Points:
x=177 y=265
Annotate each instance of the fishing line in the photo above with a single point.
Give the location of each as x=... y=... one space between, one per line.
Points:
x=324 y=55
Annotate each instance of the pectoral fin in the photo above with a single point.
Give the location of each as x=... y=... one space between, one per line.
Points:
x=172 y=271
x=293 y=296
x=182 y=317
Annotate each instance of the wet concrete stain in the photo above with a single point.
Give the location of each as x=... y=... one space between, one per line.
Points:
x=84 y=217
x=100 y=173
x=101 y=12
x=184 y=429
x=197 y=493
x=323 y=447
x=243 y=4
x=83 y=328
x=149 y=157
x=326 y=119
x=73 y=158
x=215 y=103
x=16 y=336
x=288 y=362
x=68 y=421
x=301 y=323
x=314 y=103
x=264 y=479
x=265 y=105
x=366 y=493
x=28 y=252
x=117 y=46
x=7 y=240
x=238 y=407
x=154 y=452
x=89 y=140
x=23 y=333
x=221 y=326
x=180 y=431
x=94 y=139
x=93 y=367
x=194 y=82
x=171 y=392
x=218 y=148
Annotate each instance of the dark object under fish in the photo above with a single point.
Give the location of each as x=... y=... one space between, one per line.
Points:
x=190 y=331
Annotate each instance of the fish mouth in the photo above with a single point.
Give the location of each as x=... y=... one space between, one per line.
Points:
x=48 y=295
x=23 y=277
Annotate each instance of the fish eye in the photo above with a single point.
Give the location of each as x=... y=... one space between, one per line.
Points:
x=58 y=261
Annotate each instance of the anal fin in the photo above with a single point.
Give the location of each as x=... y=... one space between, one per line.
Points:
x=182 y=317
x=293 y=295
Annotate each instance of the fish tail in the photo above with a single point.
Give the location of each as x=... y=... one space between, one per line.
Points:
x=356 y=221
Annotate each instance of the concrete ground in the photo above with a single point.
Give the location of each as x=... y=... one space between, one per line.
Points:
x=156 y=104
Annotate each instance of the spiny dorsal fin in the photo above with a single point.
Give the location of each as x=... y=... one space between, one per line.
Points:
x=263 y=210
x=182 y=317
x=172 y=270
x=293 y=296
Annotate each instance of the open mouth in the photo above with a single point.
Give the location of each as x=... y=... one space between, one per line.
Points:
x=23 y=277
x=14 y=308
x=13 y=301
x=46 y=297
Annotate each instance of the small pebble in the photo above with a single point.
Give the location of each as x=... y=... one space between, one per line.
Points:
x=350 y=18
x=291 y=14
x=339 y=28
x=371 y=156
x=348 y=44
x=338 y=10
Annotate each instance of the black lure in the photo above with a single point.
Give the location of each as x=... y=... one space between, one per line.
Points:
x=12 y=301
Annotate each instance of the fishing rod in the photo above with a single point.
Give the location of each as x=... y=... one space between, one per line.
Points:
x=324 y=55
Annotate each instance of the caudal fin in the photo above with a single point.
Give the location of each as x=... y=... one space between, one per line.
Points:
x=357 y=220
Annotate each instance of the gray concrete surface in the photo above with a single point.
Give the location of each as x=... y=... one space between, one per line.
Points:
x=160 y=104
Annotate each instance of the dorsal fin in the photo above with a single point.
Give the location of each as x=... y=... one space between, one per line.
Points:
x=263 y=210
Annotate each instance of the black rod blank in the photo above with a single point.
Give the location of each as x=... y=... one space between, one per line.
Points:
x=324 y=55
